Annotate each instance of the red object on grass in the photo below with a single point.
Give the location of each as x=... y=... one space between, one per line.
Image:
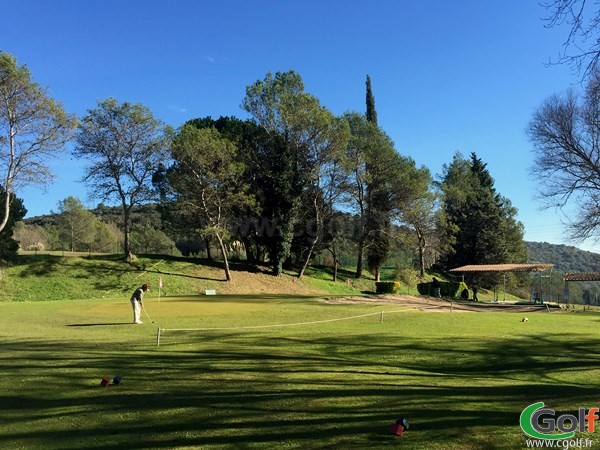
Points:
x=396 y=429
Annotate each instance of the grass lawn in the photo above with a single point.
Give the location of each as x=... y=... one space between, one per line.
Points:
x=461 y=379
x=54 y=277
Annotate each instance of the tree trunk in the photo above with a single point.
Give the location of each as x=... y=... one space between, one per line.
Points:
x=72 y=238
x=422 y=243
x=260 y=254
x=250 y=257
x=225 y=261
x=127 y=232
x=208 y=254
x=6 y=209
x=333 y=252
x=307 y=260
x=421 y=260
x=359 y=263
x=314 y=242
x=335 y=269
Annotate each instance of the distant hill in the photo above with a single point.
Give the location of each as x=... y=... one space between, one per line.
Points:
x=565 y=258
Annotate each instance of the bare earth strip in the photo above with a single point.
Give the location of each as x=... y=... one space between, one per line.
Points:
x=432 y=304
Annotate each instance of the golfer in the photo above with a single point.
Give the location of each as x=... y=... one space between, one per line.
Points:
x=137 y=302
x=437 y=289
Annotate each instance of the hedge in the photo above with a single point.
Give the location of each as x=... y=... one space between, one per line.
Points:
x=450 y=289
x=387 y=287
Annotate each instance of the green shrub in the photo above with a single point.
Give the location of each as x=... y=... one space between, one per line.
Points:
x=461 y=287
x=408 y=276
x=387 y=287
x=450 y=289
x=425 y=288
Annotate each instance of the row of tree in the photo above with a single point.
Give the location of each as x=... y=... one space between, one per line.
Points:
x=283 y=183
x=74 y=228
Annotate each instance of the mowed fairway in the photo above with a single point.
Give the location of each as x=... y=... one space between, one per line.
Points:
x=461 y=379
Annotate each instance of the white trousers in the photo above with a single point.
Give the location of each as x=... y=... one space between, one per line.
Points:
x=136 y=310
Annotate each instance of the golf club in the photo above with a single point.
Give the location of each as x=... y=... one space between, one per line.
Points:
x=147 y=315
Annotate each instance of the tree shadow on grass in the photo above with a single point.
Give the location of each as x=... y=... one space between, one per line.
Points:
x=239 y=390
x=39 y=265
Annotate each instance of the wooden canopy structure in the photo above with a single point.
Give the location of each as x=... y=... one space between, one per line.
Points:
x=503 y=268
x=582 y=276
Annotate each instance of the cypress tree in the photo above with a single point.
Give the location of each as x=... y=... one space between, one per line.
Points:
x=377 y=222
x=371 y=112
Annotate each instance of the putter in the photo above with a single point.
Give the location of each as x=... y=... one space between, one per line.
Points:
x=147 y=315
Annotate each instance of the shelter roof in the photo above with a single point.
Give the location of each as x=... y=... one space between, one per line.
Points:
x=582 y=276
x=503 y=268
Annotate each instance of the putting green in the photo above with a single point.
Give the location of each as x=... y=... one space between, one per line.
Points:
x=461 y=379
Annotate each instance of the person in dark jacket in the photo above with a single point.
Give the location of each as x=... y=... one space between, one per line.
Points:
x=137 y=302
x=437 y=291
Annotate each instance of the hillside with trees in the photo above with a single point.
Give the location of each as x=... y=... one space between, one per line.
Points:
x=291 y=186
x=564 y=257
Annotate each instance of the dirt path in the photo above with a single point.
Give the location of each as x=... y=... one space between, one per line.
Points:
x=432 y=304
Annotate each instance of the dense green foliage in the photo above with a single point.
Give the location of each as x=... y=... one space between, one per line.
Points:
x=480 y=225
x=565 y=258
x=303 y=138
x=206 y=179
x=76 y=225
x=381 y=185
x=370 y=101
x=448 y=289
x=291 y=186
x=124 y=144
x=148 y=231
x=387 y=287
x=8 y=245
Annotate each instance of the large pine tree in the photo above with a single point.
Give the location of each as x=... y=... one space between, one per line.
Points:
x=302 y=136
x=480 y=224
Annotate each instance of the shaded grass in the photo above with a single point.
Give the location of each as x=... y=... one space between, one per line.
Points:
x=53 y=277
x=461 y=379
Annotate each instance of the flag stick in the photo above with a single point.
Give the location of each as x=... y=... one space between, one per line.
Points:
x=159 y=287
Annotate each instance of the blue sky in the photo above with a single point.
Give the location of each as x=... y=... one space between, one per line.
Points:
x=447 y=76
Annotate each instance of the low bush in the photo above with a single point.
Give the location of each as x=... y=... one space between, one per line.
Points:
x=387 y=287
x=449 y=289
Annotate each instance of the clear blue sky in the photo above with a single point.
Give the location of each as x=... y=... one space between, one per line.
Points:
x=447 y=76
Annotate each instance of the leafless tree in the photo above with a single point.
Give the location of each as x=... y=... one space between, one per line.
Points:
x=565 y=132
x=581 y=48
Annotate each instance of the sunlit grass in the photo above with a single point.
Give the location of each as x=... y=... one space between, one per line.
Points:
x=461 y=379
